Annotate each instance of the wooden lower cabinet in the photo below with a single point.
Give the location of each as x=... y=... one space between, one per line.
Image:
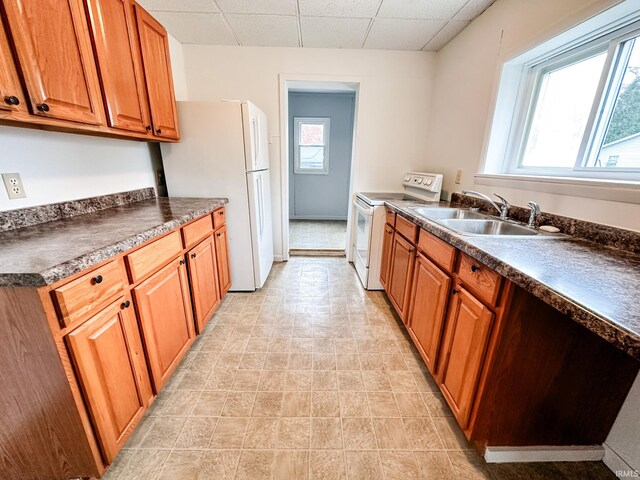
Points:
x=464 y=347
x=164 y=310
x=108 y=355
x=428 y=308
x=400 y=273
x=222 y=257
x=387 y=242
x=205 y=286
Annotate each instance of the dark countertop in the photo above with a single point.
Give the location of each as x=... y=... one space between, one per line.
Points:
x=42 y=254
x=594 y=285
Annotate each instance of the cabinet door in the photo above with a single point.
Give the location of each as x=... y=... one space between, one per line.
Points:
x=400 y=270
x=428 y=307
x=164 y=310
x=159 y=80
x=109 y=359
x=53 y=46
x=117 y=50
x=205 y=287
x=464 y=348
x=11 y=96
x=222 y=256
x=387 y=242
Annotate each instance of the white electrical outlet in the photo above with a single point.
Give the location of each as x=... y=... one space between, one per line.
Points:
x=458 y=176
x=13 y=184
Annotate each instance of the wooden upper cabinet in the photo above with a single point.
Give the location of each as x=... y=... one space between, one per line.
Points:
x=117 y=51
x=400 y=272
x=164 y=310
x=110 y=362
x=428 y=307
x=11 y=96
x=203 y=274
x=154 y=44
x=52 y=44
x=464 y=348
x=222 y=257
x=387 y=242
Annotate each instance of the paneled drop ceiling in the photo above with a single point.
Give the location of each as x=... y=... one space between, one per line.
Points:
x=375 y=24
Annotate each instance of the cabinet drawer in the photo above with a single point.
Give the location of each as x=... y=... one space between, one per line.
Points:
x=89 y=292
x=407 y=229
x=439 y=251
x=219 y=218
x=144 y=261
x=391 y=217
x=196 y=231
x=483 y=282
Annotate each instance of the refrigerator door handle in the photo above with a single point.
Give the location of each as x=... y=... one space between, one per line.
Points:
x=260 y=205
x=256 y=143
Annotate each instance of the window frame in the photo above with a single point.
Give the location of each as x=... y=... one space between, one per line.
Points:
x=607 y=91
x=297 y=122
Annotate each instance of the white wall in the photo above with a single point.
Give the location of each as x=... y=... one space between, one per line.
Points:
x=467 y=72
x=394 y=101
x=176 y=53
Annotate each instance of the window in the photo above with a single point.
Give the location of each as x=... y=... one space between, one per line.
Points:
x=577 y=110
x=311 y=141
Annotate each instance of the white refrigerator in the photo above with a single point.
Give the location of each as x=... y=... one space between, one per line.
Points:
x=224 y=152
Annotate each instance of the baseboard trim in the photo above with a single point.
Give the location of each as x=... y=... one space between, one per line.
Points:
x=319 y=217
x=277 y=259
x=316 y=253
x=578 y=453
x=617 y=464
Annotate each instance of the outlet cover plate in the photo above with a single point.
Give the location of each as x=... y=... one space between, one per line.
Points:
x=13 y=184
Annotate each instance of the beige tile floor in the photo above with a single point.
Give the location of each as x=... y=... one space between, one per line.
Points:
x=317 y=234
x=310 y=378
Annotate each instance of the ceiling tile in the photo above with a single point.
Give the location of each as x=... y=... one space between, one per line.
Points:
x=445 y=35
x=275 y=7
x=423 y=9
x=179 y=5
x=265 y=30
x=339 y=8
x=472 y=9
x=326 y=32
x=204 y=28
x=393 y=34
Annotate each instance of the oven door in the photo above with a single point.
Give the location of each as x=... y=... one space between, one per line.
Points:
x=362 y=239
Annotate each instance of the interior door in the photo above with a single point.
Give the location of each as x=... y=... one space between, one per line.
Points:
x=54 y=50
x=261 y=229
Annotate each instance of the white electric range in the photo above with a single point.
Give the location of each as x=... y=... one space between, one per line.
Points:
x=370 y=219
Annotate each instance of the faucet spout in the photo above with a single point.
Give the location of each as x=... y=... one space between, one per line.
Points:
x=501 y=209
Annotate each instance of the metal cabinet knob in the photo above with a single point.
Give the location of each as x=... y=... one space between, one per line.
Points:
x=12 y=100
x=182 y=262
x=475 y=268
x=158 y=130
x=217 y=234
x=43 y=107
x=126 y=304
x=148 y=128
x=97 y=279
x=193 y=255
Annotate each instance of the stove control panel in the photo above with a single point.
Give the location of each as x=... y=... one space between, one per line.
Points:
x=424 y=181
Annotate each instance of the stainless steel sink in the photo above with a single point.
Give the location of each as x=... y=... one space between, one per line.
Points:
x=491 y=227
x=437 y=213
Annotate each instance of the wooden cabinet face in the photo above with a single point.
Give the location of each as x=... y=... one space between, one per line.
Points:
x=159 y=80
x=117 y=50
x=464 y=348
x=428 y=307
x=110 y=362
x=11 y=96
x=387 y=242
x=164 y=310
x=400 y=270
x=54 y=49
x=222 y=256
x=203 y=274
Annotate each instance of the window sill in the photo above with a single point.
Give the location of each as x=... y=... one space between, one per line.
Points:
x=611 y=190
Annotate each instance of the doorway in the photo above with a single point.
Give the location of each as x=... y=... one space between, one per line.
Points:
x=321 y=128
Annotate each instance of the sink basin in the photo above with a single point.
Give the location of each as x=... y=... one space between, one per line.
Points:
x=491 y=227
x=448 y=213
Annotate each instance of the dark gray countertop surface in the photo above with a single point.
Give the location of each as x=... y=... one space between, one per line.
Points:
x=45 y=253
x=596 y=286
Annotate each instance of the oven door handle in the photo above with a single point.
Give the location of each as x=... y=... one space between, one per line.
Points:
x=363 y=207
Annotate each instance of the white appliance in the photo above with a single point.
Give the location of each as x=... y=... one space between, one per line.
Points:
x=223 y=152
x=370 y=217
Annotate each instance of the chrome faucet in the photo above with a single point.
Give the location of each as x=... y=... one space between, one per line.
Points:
x=503 y=209
x=535 y=211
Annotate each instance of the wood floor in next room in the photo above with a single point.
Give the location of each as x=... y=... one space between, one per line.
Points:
x=311 y=377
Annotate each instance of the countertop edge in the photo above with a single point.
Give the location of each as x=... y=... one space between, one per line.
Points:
x=86 y=261
x=602 y=326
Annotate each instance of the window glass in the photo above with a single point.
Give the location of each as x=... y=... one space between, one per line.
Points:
x=311 y=157
x=311 y=142
x=311 y=134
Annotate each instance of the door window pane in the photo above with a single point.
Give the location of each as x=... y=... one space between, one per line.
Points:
x=311 y=134
x=311 y=146
x=311 y=158
x=564 y=101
